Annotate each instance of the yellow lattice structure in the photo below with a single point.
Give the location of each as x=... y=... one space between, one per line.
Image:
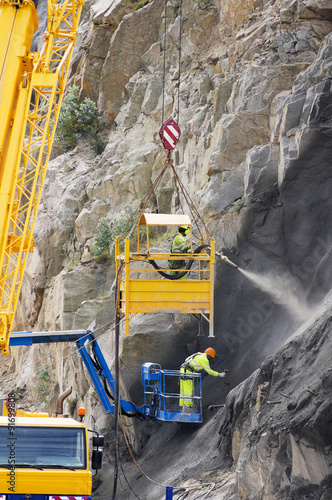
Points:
x=33 y=85
x=142 y=292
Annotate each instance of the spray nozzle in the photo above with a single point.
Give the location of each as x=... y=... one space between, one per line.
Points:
x=226 y=259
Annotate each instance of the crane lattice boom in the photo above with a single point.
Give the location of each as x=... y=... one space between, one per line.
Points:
x=34 y=85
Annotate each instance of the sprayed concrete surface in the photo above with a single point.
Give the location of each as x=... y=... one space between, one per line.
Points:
x=271 y=440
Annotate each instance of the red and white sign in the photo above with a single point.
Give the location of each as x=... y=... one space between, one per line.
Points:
x=170 y=133
x=67 y=497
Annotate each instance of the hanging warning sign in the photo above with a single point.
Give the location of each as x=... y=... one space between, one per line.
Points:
x=170 y=133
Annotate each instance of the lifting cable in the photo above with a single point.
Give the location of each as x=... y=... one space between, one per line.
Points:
x=164 y=71
x=118 y=410
x=178 y=183
x=169 y=162
x=193 y=210
x=179 y=65
x=179 y=77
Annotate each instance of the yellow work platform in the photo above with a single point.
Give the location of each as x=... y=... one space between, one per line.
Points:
x=142 y=292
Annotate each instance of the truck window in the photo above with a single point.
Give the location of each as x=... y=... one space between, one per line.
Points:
x=46 y=447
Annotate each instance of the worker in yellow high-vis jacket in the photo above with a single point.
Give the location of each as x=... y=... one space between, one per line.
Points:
x=196 y=363
x=179 y=245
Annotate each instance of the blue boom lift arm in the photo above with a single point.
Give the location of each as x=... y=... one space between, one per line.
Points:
x=161 y=393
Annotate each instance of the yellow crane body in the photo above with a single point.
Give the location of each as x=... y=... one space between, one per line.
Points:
x=194 y=295
x=33 y=84
x=41 y=443
x=17 y=27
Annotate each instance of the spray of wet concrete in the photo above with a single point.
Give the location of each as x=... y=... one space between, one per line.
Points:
x=284 y=291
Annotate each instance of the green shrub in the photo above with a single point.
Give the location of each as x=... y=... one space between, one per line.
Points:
x=76 y=119
x=107 y=233
x=44 y=384
x=103 y=238
x=97 y=144
x=139 y=3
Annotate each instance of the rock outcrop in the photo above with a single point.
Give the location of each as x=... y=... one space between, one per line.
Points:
x=277 y=424
x=271 y=440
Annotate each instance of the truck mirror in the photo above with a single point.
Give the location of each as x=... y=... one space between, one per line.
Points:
x=98 y=441
x=97 y=459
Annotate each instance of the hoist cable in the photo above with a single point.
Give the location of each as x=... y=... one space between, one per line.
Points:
x=181 y=206
x=164 y=69
x=178 y=192
x=191 y=205
x=164 y=64
x=179 y=78
x=146 y=200
x=116 y=411
x=178 y=183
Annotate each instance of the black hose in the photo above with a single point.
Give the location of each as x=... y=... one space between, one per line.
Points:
x=182 y=273
x=108 y=392
x=94 y=360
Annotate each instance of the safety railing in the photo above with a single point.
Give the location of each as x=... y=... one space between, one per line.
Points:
x=144 y=288
x=162 y=394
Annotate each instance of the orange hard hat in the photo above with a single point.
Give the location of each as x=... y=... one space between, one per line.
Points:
x=210 y=352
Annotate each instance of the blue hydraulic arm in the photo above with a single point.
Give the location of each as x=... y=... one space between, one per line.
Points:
x=109 y=407
x=98 y=368
x=96 y=365
x=161 y=397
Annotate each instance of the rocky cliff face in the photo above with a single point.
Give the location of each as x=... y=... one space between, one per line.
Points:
x=254 y=100
x=272 y=439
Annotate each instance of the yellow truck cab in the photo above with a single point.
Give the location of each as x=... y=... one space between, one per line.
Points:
x=44 y=458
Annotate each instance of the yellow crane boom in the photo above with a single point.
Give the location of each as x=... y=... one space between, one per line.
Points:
x=31 y=91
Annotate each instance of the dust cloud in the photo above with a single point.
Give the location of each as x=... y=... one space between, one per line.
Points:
x=284 y=290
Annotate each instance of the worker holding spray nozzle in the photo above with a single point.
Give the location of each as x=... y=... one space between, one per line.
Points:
x=179 y=245
x=196 y=363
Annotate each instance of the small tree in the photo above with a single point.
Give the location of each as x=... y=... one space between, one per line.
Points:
x=76 y=118
x=103 y=238
x=106 y=233
x=139 y=3
x=44 y=383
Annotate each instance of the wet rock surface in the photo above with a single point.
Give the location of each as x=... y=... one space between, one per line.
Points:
x=277 y=424
x=271 y=440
